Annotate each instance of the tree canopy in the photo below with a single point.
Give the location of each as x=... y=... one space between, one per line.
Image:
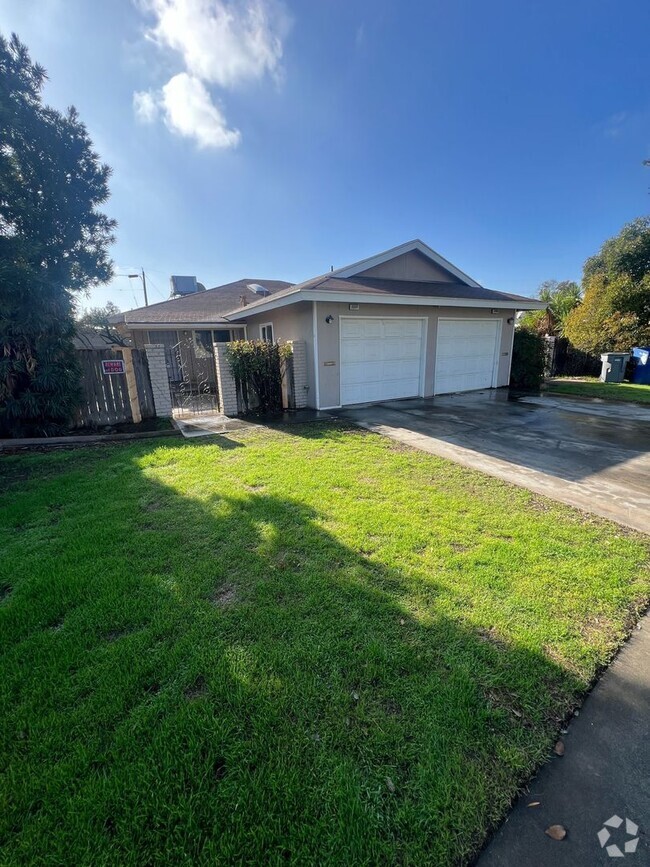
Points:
x=615 y=310
x=54 y=244
x=98 y=319
x=560 y=297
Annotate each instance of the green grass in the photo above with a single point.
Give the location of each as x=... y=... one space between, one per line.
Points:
x=307 y=646
x=604 y=390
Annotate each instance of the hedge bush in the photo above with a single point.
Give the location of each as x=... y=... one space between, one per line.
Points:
x=528 y=360
x=257 y=368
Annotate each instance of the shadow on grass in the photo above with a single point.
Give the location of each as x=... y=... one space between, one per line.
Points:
x=218 y=679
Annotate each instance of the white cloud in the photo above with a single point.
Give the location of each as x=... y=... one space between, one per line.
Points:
x=145 y=106
x=190 y=111
x=223 y=43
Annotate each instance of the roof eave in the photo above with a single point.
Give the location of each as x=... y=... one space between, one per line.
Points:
x=371 y=298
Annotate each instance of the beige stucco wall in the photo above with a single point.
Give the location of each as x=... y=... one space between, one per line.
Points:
x=294 y=322
x=328 y=340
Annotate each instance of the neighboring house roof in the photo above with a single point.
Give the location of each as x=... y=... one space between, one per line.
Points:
x=200 y=307
x=89 y=338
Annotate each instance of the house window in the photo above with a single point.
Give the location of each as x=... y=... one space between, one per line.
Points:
x=266 y=332
x=203 y=344
x=222 y=336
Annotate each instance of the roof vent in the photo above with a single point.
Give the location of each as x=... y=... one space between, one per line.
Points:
x=182 y=286
x=259 y=290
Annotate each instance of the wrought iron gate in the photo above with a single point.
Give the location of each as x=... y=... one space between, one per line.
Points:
x=192 y=378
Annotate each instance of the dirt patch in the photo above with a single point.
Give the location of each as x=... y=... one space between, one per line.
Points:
x=491 y=636
x=197 y=689
x=500 y=699
x=116 y=634
x=392 y=708
x=224 y=596
x=537 y=504
x=219 y=768
x=5 y=591
x=459 y=548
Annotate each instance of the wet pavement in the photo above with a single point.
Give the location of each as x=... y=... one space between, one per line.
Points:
x=591 y=454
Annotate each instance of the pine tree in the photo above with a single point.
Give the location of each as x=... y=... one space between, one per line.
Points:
x=53 y=244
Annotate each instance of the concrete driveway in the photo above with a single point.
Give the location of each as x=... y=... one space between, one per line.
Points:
x=587 y=453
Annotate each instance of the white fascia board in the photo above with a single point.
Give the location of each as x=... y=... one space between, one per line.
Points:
x=184 y=326
x=409 y=246
x=428 y=301
x=407 y=300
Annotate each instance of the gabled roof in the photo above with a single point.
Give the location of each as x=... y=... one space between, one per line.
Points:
x=439 y=284
x=410 y=246
x=200 y=308
x=329 y=287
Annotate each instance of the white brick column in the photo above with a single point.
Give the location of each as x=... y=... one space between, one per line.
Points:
x=225 y=381
x=162 y=399
x=299 y=373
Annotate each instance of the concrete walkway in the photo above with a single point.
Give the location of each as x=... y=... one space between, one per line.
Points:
x=589 y=454
x=604 y=773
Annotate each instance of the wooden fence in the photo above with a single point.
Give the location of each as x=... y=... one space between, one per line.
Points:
x=106 y=399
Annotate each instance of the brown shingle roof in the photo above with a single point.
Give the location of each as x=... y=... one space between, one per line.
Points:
x=382 y=286
x=201 y=307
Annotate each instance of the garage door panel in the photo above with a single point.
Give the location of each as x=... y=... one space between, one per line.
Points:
x=466 y=354
x=381 y=359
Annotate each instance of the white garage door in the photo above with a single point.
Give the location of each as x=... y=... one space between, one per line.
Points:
x=381 y=359
x=467 y=351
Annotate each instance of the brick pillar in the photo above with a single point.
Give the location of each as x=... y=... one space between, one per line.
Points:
x=225 y=381
x=299 y=373
x=162 y=399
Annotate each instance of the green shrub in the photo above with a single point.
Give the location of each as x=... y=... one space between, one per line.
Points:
x=528 y=360
x=257 y=368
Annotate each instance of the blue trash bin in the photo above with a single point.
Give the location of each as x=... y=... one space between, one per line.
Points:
x=641 y=374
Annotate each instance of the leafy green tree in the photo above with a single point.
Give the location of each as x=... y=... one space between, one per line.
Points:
x=560 y=298
x=98 y=319
x=53 y=244
x=615 y=310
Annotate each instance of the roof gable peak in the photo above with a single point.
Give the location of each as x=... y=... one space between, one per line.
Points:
x=417 y=246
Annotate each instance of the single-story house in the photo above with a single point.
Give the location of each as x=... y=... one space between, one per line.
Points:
x=403 y=323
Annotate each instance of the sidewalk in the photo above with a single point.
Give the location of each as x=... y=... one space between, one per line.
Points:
x=604 y=772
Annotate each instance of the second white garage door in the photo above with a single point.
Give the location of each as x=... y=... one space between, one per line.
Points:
x=381 y=359
x=467 y=353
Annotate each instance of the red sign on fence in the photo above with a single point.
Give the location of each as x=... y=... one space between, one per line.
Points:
x=113 y=366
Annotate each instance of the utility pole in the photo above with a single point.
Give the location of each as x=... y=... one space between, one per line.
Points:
x=144 y=287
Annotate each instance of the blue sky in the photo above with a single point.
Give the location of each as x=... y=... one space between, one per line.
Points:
x=273 y=139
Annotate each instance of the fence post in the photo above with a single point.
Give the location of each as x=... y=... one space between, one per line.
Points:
x=299 y=373
x=225 y=381
x=131 y=384
x=162 y=399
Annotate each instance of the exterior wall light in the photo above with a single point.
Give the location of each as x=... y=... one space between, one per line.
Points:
x=329 y=319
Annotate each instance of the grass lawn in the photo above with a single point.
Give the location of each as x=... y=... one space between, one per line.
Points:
x=605 y=390
x=309 y=646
